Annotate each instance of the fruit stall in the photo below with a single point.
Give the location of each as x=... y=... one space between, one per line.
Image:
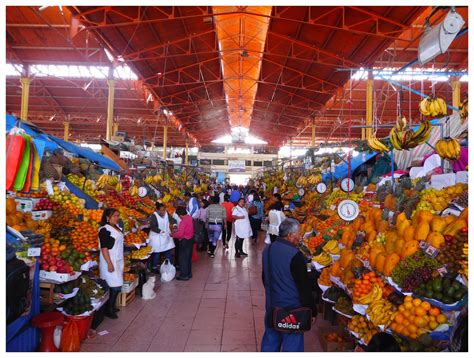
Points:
x=390 y=257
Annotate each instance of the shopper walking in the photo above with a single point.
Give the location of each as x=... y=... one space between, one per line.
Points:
x=242 y=227
x=185 y=234
x=288 y=286
x=202 y=236
x=256 y=219
x=160 y=238
x=227 y=235
x=192 y=207
x=111 y=257
x=275 y=218
x=216 y=223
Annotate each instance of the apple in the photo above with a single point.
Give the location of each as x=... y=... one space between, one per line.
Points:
x=60 y=263
x=45 y=266
x=52 y=268
x=52 y=261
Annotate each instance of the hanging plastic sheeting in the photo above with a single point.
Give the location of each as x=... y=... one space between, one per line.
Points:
x=341 y=169
x=241 y=40
x=42 y=141
x=405 y=158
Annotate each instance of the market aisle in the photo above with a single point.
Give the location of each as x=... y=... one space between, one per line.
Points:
x=220 y=309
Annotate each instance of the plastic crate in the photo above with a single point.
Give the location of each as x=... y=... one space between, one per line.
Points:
x=21 y=336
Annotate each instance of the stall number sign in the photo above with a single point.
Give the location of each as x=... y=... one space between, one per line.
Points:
x=236 y=166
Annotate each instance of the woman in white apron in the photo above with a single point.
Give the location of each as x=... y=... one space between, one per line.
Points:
x=111 y=257
x=160 y=238
x=275 y=217
x=242 y=227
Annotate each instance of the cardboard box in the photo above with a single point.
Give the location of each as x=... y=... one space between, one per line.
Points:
x=347 y=345
x=58 y=278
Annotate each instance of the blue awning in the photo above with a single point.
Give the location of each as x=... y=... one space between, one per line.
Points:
x=51 y=143
x=356 y=161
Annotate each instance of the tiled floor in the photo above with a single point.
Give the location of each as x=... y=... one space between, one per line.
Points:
x=219 y=310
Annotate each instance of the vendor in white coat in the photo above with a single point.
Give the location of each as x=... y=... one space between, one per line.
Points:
x=275 y=218
x=242 y=227
x=160 y=239
x=111 y=257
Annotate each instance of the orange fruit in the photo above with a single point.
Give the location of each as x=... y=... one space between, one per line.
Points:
x=408 y=305
x=412 y=328
x=413 y=335
x=433 y=325
x=441 y=319
x=419 y=311
x=401 y=308
x=408 y=298
x=406 y=322
x=426 y=306
x=420 y=322
x=406 y=313
x=416 y=302
x=435 y=311
x=399 y=318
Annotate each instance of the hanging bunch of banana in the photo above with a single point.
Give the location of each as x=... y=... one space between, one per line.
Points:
x=463 y=111
x=448 y=148
x=106 y=179
x=403 y=138
x=433 y=107
x=118 y=187
x=153 y=179
x=314 y=179
x=302 y=181
x=376 y=145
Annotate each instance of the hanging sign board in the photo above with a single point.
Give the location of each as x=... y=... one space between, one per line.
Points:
x=236 y=166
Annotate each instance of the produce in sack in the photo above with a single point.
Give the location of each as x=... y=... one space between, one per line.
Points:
x=448 y=148
x=433 y=107
x=416 y=317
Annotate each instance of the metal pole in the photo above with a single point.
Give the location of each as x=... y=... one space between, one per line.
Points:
x=456 y=84
x=186 y=152
x=110 y=109
x=165 y=140
x=66 y=130
x=369 y=101
x=116 y=128
x=25 y=95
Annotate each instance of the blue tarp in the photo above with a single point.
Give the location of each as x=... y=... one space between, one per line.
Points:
x=51 y=143
x=341 y=168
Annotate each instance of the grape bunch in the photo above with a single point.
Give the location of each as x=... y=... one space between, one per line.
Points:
x=406 y=267
x=419 y=276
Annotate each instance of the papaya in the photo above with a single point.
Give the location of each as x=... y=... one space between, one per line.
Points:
x=371 y=236
x=336 y=269
x=401 y=227
x=449 y=219
x=373 y=255
x=436 y=239
x=11 y=206
x=382 y=226
x=409 y=233
x=438 y=224
x=464 y=214
x=422 y=231
x=390 y=202
x=345 y=238
x=390 y=262
x=399 y=247
x=401 y=217
x=424 y=215
x=380 y=261
x=410 y=248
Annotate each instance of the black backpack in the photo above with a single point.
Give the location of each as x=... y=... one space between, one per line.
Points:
x=18 y=285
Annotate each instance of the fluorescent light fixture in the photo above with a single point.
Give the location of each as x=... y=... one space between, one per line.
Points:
x=165 y=111
x=239 y=129
x=409 y=74
x=159 y=74
x=109 y=55
x=227 y=139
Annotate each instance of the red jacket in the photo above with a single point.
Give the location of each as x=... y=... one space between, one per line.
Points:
x=185 y=229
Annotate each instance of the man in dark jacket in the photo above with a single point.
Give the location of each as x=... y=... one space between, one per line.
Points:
x=290 y=286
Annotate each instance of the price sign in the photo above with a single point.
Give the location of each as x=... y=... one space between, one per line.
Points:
x=422 y=245
x=34 y=251
x=443 y=270
x=431 y=251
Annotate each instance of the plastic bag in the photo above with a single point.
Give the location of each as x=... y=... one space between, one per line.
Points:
x=70 y=338
x=167 y=271
x=267 y=239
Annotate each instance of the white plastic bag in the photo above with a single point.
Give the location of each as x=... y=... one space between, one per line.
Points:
x=267 y=238
x=167 y=271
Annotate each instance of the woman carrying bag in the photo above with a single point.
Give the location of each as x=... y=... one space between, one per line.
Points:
x=242 y=227
x=160 y=238
x=111 y=257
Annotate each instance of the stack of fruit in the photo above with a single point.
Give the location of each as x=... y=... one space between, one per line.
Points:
x=368 y=288
x=68 y=201
x=413 y=271
x=416 y=317
x=323 y=259
x=84 y=237
x=93 y=216
x=464 y=262
x=448 y=148
x=325 y=277
x=313 y=242
x=451 y=253
x=78 y=304
x=89 y=187
x=446 y=290
x=332 y=247
x=381 y=312
x=364 y=329
x=141 y=253
x=129 y=277
x=138 y=237
x=44 y=204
